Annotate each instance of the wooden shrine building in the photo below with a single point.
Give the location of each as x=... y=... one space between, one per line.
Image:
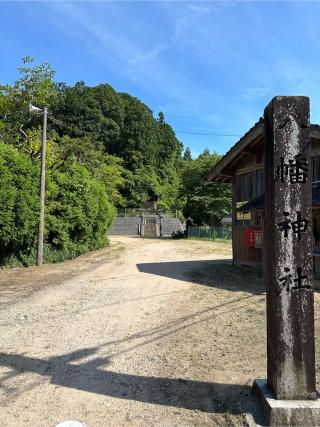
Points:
x=243 y=167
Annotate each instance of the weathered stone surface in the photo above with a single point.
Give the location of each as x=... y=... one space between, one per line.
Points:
x=125 y=226
x=130 y=226
x=289 y=247
x=286 y=412
x=170 y=225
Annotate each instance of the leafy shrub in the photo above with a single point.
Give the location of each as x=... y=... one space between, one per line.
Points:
x=78 y=211
x=19 y=203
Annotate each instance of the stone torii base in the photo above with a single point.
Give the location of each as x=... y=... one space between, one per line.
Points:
x=286 y=412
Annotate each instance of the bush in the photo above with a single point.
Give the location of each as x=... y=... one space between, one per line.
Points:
x=19 y=203
x=78 y=212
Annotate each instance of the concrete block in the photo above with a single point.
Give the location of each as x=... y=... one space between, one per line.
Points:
x=286 y=412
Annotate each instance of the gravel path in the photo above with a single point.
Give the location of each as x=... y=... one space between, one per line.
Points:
x=146 y=332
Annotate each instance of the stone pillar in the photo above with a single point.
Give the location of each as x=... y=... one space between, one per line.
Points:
x=289 y=248
x=289 y=266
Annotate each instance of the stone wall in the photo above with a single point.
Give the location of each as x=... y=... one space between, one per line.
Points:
x=170 y=225
x=125 y=226
x=129 y=226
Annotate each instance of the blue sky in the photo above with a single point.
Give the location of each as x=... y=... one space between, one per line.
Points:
x=211 y=67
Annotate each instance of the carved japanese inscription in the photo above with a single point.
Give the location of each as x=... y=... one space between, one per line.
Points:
x=297 y=227
x=289 y=248
x=296 y=169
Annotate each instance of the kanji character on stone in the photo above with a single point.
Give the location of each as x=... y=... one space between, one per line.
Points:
x=285 y=225
x=287 y=279
x=299 y=279
x=297 y=169
x=293 y=284
x=298 y=226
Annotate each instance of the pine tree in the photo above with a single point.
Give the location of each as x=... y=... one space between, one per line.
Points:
x=187 y=154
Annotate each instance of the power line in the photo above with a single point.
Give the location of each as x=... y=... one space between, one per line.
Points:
x=207 y=134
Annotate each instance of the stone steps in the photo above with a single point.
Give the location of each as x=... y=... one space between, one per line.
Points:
x=150 y=229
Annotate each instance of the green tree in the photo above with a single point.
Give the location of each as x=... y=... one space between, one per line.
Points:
x=78 y=211
x=187 y=154
x=35 y=85
x=105 y=149
x=121 y=125
x=19 y=203
x=105 y=168
x=82 y=180
x=206 y=202
x=160 y=118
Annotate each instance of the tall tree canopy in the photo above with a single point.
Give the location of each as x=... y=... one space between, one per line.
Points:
x=206 y=202
x=105 y=150
x=122 y=126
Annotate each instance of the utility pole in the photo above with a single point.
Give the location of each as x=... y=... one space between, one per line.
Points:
x=42 y=187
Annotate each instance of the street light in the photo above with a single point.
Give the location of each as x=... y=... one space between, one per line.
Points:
x=36 y=110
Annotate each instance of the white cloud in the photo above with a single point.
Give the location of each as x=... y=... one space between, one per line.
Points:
x=148 y=55
x=255 y=93
x=118 y=43
x=189 y=18
x=182 y=22
x=213 y=119
x=101 y=34
x=199 y=8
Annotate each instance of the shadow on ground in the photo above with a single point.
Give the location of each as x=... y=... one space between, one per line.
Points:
x=91 y=376
x=213 y=273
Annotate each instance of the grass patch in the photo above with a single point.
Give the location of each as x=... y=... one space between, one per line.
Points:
x=53 y=256
x=208 y=239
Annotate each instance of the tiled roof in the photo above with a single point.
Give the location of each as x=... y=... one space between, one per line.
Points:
x=254 y=205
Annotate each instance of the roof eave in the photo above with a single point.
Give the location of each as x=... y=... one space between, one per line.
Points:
x=219 y=175
x=217 y=172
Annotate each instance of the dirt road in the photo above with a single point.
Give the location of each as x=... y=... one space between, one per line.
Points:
x=147 y=332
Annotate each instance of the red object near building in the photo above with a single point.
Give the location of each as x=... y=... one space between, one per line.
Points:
x=253 y=237
x=249 y=237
